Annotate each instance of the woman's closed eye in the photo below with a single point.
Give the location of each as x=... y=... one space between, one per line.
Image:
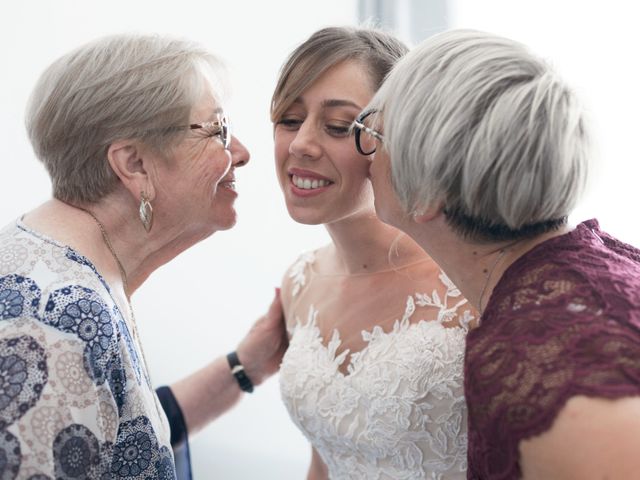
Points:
x=290 y=123
x=210 y=132
x=338 y=130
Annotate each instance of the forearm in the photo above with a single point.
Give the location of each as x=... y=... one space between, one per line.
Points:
x=317 y=468
x=209 y=392
x=206 y=394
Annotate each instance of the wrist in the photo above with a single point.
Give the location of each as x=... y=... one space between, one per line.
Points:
x=252 y=365
x=245 y=382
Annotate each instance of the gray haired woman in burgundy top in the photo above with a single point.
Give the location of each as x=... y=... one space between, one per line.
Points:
x=481 y=154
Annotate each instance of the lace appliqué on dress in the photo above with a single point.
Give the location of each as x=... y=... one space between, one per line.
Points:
x=399 y=411
x=297 y=272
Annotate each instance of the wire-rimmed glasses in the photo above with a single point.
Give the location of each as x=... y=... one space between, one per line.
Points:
x=219 y=127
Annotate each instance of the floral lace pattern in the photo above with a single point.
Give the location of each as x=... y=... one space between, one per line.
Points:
x=564 y=320
x=297 y=272
x=75 y=402
x=399 y=411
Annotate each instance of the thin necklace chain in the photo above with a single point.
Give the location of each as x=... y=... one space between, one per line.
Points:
x=107 y=242
x=123 y=275
x=490 y=272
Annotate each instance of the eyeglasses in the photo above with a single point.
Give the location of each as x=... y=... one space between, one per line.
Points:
x=365 y=146
x=220 y=127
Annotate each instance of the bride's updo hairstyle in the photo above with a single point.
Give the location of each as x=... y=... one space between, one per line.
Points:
x=479 y=125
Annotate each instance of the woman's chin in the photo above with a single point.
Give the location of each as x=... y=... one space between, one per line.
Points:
x=225 y=221
x=227 y=224
x=306 y=217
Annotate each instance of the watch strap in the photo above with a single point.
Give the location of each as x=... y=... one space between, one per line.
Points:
x=237 y=370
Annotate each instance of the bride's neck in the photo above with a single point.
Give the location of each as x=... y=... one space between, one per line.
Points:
x=366 y=245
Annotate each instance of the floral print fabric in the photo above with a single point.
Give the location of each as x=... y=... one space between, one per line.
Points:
x=75 y=400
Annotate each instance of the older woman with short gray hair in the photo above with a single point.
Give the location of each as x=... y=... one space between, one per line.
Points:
x=481 y=154
x=133 y=133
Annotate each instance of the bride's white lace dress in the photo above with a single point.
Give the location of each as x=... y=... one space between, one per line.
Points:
x=393 y=410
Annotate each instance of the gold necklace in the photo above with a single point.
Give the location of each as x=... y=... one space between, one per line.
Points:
x=123 y=275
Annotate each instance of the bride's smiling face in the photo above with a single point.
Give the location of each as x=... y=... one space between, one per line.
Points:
x=323 y=178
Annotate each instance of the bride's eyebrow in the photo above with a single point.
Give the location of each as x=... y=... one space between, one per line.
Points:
x=340 y=103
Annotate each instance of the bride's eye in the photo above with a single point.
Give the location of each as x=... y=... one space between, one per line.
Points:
x=289 y=123
x=338 y=130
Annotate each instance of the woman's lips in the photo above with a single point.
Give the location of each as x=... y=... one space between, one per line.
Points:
x=302 y=186
x=228 y=182
x=306 y=183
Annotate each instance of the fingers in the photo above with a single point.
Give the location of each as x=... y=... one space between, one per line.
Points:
x=275 y=309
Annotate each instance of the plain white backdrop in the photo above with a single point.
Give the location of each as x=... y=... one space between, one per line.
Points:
x=200 y=305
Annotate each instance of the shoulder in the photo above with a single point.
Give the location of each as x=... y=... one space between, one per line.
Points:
x=436 y=292
x=591 y=438
x=297 y=276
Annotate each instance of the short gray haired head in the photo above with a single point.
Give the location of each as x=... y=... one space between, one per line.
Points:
x=116 y=87
x=478 y=123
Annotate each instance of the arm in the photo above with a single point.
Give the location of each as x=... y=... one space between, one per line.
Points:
x=260 y=352
x=591 y=438
x=317 y=469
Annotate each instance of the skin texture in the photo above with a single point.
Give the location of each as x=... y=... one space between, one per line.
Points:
x=591 y=439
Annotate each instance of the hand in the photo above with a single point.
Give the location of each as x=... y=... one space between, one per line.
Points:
x=261 y=350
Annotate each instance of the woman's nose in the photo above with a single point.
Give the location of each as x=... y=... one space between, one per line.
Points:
x=306 y=142
x=239 y=153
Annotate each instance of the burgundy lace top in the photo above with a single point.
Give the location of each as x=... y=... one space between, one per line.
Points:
x=564 y=320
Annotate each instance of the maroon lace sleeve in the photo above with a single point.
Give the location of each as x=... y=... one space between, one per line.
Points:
x=564 y=320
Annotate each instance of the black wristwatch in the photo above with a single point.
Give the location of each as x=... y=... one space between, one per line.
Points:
x=237 y=371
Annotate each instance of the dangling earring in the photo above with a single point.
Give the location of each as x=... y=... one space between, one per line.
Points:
x=146 y=212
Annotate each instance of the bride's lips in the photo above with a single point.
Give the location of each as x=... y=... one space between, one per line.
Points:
x=306 y=183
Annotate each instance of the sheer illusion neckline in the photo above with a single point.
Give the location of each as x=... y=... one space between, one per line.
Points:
x=391 y=269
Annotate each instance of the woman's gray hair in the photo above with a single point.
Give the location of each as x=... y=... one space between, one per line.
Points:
x=116 y=87
x=377 y=50
x=478 y=123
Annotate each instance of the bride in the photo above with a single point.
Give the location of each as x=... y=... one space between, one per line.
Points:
x=373 y=375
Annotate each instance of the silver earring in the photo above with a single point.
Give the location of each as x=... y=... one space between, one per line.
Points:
x=146 y=212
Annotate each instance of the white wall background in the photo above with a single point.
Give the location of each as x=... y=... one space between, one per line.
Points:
x=200 y=305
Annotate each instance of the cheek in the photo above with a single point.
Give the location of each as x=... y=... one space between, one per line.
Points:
x=282 y=141
x=221 y=164
x=358 y=167
x=379 y=178
x=207 y=171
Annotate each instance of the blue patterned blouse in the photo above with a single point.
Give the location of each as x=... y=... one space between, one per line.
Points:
x=75 y=397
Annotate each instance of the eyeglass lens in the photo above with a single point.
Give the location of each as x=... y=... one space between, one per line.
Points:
x=365 y=142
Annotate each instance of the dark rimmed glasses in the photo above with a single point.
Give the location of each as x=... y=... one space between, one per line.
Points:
x=365 y=146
